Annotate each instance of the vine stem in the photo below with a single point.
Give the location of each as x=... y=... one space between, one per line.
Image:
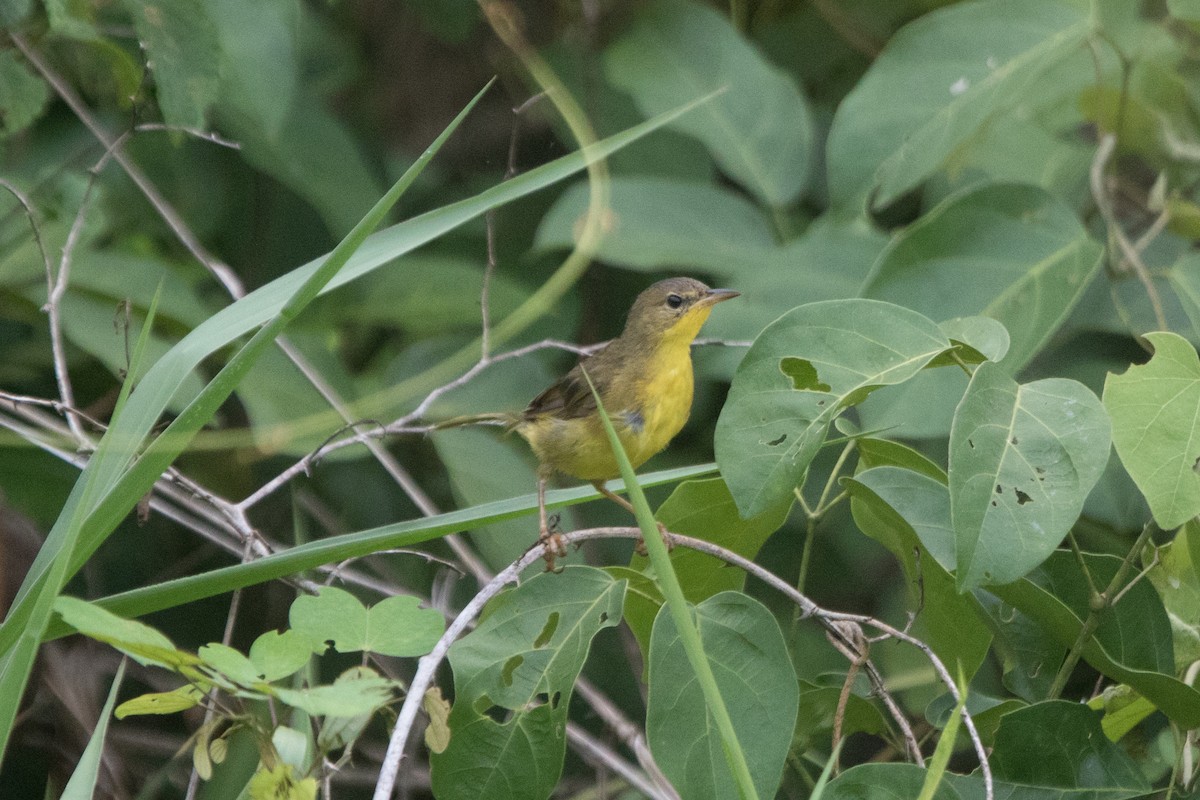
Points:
x=1098 y=603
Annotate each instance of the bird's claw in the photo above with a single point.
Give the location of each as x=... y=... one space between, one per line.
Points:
x=555 y=547
x=639 y=546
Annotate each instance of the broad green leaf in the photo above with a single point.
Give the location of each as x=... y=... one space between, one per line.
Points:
x=1011 y=252
x=1185 y=9
x=1132 y=643
x=184 y=54
x=909 y=513
x=140 y=642
x=86 y=775
x=513 y=679
x=883 y=782
x=176 y=700
x=1184 y=281
x=1028 y=654
x=1155 y=410
x=759 y=130
x=941 y=78
x=362 y=693
x=277 y=655
x=23 y=94
x=1022 y=461
x=986 y=712
x=829 y=261
x=396 y=626
x=1059 y=743
x=230 y=663
x=818 y=707
x=1177 y=579
x=903 y=781
x=653 y=223
x=806 y=368
x=705 y=510
x=750 y=661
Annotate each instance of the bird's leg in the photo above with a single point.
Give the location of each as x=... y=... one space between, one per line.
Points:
x=556 y=546
x=625 y=504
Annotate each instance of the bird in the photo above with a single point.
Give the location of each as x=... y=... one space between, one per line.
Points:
x=645 y=382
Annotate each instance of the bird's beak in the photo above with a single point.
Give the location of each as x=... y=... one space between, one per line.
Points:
x=715 y=296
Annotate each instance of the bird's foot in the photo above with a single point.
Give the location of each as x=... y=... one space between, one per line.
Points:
x=639 y=546
x=555 y=546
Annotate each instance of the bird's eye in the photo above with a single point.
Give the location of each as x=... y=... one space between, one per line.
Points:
x=674 y=301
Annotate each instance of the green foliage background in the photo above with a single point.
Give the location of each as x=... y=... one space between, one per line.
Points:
x=960 y=229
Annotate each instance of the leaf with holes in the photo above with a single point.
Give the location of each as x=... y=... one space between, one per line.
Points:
x=807 y=367
x=513 y=677
x=750 y=662
x=1155 y=410
x=1022 y=461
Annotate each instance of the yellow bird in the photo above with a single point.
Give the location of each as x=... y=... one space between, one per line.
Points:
x=643 y=377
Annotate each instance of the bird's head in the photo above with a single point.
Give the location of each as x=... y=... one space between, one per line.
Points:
x=673 y=310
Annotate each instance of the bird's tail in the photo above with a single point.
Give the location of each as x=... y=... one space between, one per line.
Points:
x=494 y=418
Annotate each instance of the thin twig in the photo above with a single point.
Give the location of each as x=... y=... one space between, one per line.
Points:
x=1104 y=152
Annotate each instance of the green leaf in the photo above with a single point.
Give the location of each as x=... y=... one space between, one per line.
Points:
x=654 y=222
x=142 y=643
x=883 y=782
x=985 y=711
x=1059 y=743
x=1028 y=654
x=396 y=626
x=981 y=339
x=1027 y=272
x=759 y=130
x=1132 y=643
x=1175 y=576
x=513 y=679
x=1155 y=410
x=749 y=659
x=230 y=663
x=23 y=94
x=909 y=514
x=705 y=510
x=941 y=78
x=174 y=701
x=1185 y=9
x=184 y=55
x=277 y=655
x=361 y=693
x=1022 y=461
x=903 y=781
x=805 y=369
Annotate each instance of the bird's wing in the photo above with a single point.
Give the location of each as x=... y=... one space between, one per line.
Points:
x=569 y=397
